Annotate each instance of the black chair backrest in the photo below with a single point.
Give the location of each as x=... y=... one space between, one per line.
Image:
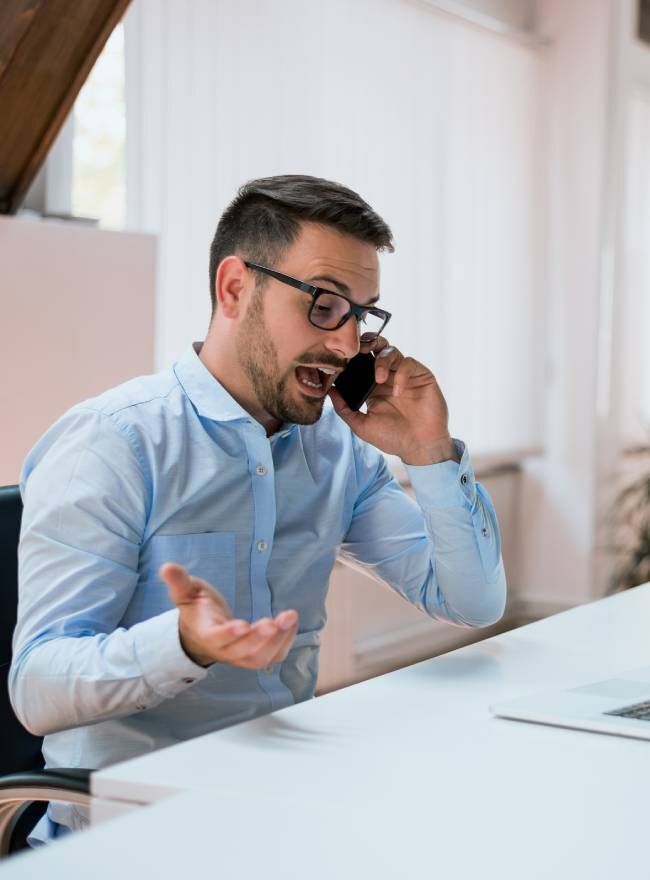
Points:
x=19 y=749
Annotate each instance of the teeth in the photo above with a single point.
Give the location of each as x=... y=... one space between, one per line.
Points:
x=329 y=370
x=311 y=384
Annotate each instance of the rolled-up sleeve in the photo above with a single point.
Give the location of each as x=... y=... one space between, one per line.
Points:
x=86 y=494
x=441 y=551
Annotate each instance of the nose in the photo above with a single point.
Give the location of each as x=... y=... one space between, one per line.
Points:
x=345 y=340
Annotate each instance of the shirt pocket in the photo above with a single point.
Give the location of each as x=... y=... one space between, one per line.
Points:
x=207 y=555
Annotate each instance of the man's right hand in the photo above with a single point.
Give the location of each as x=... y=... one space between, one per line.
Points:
x=209 y=633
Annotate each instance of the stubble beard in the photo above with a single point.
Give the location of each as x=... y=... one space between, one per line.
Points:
x=258 y=357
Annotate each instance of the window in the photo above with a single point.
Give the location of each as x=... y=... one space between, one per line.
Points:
x=84 y=173
x=98 y=172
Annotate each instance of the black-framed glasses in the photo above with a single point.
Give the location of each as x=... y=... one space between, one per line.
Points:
x=329 y=310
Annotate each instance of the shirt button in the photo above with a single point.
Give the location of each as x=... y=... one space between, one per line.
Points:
x=484 y=532
x=260 y=470
x=140 y=706
x=261 y=546
x=463 y=479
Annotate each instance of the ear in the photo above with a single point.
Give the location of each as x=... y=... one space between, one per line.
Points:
x=232 y=284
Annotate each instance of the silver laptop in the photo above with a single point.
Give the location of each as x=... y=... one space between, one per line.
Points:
x=617 y=705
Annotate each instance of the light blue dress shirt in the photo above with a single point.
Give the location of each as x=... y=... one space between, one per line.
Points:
x=170 y=467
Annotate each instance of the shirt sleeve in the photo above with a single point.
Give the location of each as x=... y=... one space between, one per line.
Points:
x=442 y=551
x=86 y=495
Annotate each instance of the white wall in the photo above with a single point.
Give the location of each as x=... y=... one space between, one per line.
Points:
x=569 y=493
x=77 y=308
x=433 y=120
x=500 y=166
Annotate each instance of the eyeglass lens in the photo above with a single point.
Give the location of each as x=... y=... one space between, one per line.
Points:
x=329 y=309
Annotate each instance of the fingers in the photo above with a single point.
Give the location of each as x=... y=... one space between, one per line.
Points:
x=285 y=645
x=228 y=633
x=179 y=583
x=184 y=589
x=387 y=361
x=226 y=640
x=351 y=417
x=267 y=641
x=370 y=342
x=410 y=373
x=247 y=650
x=387 y=357
x=287 y=619
x=392 y=367
x=208 y=633
x=396 y=373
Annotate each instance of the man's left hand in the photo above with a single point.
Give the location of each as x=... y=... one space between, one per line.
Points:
x=406 y=411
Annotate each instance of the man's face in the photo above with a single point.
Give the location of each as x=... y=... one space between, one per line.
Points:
x=278 y=347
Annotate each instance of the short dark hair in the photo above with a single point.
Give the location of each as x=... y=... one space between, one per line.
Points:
x=264 y=219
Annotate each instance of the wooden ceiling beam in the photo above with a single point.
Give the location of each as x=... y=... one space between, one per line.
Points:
x=47 y=50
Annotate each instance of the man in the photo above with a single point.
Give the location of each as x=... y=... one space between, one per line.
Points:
x=179 y=530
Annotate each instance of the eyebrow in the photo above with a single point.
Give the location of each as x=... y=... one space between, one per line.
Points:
x=341 y=287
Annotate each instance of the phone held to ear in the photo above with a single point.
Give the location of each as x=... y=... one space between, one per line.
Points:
x=357 y=380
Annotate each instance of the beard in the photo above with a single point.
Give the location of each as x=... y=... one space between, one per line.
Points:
x=258 y=358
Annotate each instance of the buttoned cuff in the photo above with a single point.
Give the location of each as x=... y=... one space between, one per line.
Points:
x=165 y=666
x=446 y=483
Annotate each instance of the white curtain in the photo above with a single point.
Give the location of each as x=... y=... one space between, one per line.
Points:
x=434 y=121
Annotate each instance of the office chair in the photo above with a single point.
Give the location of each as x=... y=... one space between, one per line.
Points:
x=25 y=787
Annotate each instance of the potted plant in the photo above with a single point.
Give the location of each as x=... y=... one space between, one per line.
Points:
x=631 y=522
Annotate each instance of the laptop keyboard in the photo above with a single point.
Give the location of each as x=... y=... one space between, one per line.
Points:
x=639 y=711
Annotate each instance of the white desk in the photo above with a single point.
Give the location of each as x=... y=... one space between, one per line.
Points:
x=407 y=772
x=422 y=730
x=589 y=833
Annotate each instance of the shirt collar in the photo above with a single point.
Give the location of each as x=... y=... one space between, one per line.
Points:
x=208 y=396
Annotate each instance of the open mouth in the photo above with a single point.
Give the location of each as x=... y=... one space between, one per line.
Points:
x=315 y=381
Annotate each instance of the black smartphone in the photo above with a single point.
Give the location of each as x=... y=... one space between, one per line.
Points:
x=357 y=380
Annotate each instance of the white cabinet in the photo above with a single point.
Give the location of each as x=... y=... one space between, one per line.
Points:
x=77 y=318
